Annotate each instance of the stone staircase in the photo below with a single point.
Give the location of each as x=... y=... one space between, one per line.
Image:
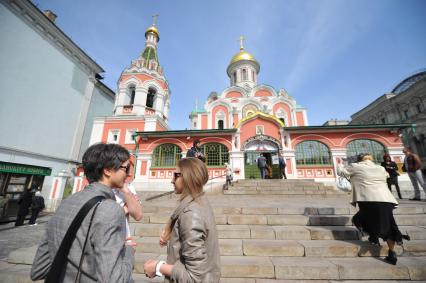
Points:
x=274 y=231
x=280 y=231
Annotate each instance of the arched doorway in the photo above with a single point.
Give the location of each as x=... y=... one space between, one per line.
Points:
x=255 y=146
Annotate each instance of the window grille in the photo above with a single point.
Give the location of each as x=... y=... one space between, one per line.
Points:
x=216 y=154
x=312 y=153
x=166 y=155
x=375 y=148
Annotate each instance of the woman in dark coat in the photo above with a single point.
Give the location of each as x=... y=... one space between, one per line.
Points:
x=37 y=205
x=24 y=206
x=392 y=170
x=375 y=202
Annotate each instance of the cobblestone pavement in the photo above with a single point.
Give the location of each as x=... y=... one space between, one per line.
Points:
x=13 y=238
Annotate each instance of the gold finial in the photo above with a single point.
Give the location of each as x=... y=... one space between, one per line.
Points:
x=154 y=19
x=241 y=40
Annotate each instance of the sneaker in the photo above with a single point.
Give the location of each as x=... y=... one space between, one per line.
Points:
x=414 y=199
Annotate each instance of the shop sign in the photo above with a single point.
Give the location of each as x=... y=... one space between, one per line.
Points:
x=24 y=169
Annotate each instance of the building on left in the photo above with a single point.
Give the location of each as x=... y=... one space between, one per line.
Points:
x=50 y=94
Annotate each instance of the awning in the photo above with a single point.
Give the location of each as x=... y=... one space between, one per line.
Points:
x=24 y=169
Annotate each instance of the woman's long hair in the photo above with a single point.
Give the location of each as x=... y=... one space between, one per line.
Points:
x=194 y=176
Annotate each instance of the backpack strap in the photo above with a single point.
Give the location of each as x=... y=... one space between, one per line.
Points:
x=61 y=256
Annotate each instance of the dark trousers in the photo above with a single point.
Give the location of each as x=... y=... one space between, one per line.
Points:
x=20 y=219
x=262 y=172
x=34 y=215
x=282 y=173
x=394 y=181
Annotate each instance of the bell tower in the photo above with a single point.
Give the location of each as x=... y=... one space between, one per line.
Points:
x=143 y=90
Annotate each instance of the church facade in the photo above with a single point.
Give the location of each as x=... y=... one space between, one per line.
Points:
x=235 y=126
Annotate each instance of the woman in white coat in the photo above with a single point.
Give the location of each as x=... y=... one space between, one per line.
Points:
x=376 y=203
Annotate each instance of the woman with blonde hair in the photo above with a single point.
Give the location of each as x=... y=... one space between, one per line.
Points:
x=376 y=203
x=191 y=235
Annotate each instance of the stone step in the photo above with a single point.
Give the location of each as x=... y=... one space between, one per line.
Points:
x=244 y=268
x=279 y=219
x=276 y=232
x=165 y=212
x=345 y=220
x=288 y=193
x=296 y=248
x=415 y=248
x=281 y=232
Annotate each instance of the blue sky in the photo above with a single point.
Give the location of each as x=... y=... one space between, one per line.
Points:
x=333 y=56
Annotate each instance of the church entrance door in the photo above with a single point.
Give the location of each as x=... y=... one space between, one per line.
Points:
x=252 y=151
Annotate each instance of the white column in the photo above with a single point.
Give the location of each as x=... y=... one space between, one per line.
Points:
x=57 y=191
x=159 y=103
x=140 y=100
x=78 y=183
x=143 y=157
x=335 y=155
x=237 y=163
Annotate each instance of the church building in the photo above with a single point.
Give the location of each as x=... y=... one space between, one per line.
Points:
x=235 y=126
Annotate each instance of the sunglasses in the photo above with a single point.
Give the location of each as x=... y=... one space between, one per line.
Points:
x=126 y=168
x=176 y=175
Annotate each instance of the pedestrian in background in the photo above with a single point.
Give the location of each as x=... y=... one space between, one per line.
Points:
x=392 y=170
x=282 y=166
x=261 y=164
x=193 y=247
x=37 y=205
x=195 y=151
x=229 y=175
x=24 y=206
x=412 y=165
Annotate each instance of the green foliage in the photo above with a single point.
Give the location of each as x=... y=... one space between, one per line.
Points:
x=67 y=189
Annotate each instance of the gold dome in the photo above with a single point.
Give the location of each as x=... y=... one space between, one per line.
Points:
x=242 y=55
x=154 y=30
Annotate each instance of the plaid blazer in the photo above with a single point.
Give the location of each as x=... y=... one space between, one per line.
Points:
x=106 y=259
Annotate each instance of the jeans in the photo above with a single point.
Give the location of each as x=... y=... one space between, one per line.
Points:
x=416 y=179
x=262 y=172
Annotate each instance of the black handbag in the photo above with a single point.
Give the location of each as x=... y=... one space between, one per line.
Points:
x=61 y=256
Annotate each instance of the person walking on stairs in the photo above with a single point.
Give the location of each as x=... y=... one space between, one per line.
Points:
x=376 y=203
x=392 y=170
x=412 y=165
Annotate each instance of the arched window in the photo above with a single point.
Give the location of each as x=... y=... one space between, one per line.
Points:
x=216 y=153
x=150 y=98
x=312 y=153
x=166 y=155
x=235 y=77
x=220 y=118
x=132 y=93
x=356 y=147
x=244 y=75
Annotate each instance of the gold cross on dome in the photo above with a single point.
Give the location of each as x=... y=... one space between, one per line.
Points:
x=241 y=40
x=154 y=19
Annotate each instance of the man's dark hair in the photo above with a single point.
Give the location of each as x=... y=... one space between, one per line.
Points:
x=102 y=156
x=195 y=142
